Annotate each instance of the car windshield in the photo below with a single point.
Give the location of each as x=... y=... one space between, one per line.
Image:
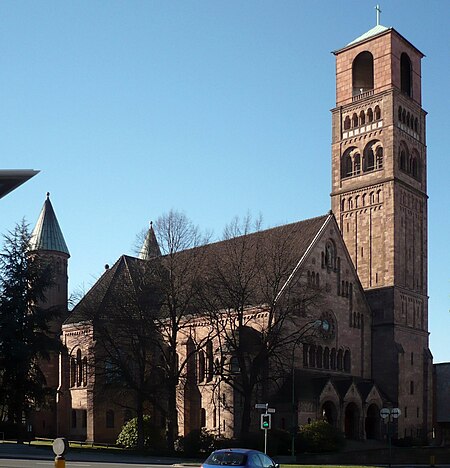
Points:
x=227 y=458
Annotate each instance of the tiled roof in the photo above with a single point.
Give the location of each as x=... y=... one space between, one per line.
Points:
x=126 y=273
x=47 y=234
x=129 y=270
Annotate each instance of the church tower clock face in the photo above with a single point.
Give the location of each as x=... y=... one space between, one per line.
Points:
x=379 y=198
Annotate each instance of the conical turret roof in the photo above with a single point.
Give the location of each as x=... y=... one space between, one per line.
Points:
x=47 y=234
x=150 y=248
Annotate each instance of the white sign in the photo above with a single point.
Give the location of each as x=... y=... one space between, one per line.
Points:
x=396 y=412
x=271 y=410
x=385 y=412
x=261 y=405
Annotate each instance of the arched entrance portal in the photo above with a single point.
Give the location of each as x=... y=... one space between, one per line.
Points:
x=372 y=423
x=351 y=421
x=329 y=413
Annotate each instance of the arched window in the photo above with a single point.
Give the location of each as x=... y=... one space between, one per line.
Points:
x=346 y=164
x=405 y=74
x=79 y=368
x=110 y=419
x=404 y=156
x=201 y=366
x=354 y=120
x=340 y=362
x=319 y=357
x=400 y=114
x=333 y=359
x=312 y=356
x=202 y=417
x=362 y=73
x=347 y=123
x=347 y=363
x=370 y=115
x=326 y=358
x=369 y=155
x=407 y=119
x=377 y=113
x=416 y=125
x=85 y=371
x=362 y=118
x=379 y=158
x=357 y=164
x=415 y=167
x=342 y=208
x=234 y=365
x=210 y=361
x=368 y=160
x=330 y=254
x=305 y=354
x=73 y=372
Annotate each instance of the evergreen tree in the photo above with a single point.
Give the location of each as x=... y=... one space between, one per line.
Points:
x=25 y=337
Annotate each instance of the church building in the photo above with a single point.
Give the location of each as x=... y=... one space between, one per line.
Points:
x=367 y=256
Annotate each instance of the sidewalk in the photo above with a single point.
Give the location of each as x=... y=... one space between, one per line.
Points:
x=12 y=450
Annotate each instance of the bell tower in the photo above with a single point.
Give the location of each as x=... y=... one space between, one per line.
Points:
x=379 y=197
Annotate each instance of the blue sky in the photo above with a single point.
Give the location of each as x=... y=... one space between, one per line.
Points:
x=214 y=108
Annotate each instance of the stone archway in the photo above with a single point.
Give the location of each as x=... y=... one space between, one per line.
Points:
x=329 y=413
x=351 y=424
x=372 y=422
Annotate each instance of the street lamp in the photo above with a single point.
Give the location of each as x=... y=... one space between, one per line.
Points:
x=308 y=327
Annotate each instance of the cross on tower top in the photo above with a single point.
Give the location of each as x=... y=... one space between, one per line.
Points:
x=378 y=14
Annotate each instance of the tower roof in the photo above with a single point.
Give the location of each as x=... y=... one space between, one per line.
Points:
x=378 y=29
x=47 y=234
x=150 y=248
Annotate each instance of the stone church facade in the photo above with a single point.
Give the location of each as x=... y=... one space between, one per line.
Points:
x=368 y=256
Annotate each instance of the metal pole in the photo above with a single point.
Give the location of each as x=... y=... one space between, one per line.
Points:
x=265 y=441
x=293 y=407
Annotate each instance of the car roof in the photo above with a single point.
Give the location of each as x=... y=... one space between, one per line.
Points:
x=237 y=450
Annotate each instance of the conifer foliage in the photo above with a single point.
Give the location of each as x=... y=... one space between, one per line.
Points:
x=25 y=337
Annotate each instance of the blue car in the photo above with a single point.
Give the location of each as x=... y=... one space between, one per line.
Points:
x=245 y=458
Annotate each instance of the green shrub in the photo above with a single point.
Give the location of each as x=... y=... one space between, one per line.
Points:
x=153 y=437
x=319 y=436
x=198 y=441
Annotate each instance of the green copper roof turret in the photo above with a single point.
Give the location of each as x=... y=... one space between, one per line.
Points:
x=47 y=234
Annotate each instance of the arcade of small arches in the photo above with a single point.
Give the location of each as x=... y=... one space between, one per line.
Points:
x=318 y=357
x=409 y=161
x=362 y=118
x=357 y=421
x=408 y=119
x=365 y=199
x=372 y=159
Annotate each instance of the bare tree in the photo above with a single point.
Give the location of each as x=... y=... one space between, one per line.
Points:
x=256 y=297
x=184 y=253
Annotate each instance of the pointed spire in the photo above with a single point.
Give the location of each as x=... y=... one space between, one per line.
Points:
x=47 y=234
x=150 y=248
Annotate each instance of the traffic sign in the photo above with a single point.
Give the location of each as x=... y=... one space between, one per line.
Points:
x=385 y=412
x=261 y=405
x=266 y=421
x=271 y=410
x=396 y=412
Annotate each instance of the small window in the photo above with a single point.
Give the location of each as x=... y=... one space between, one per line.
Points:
x=406 y=74
x=203 y=417
x=110 y=419
x=74 y=419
